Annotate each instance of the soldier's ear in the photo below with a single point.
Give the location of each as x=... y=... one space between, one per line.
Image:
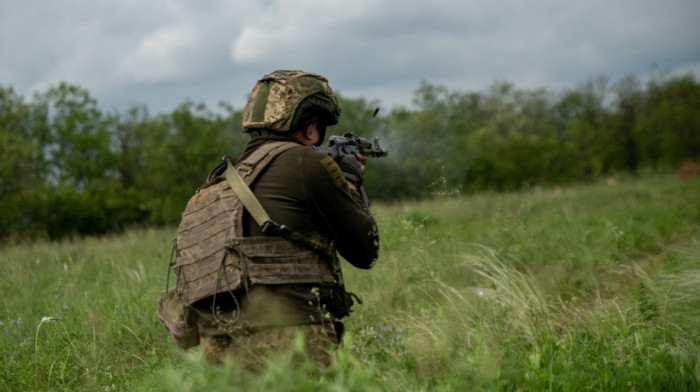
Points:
x=301 y=134
x=309 y=131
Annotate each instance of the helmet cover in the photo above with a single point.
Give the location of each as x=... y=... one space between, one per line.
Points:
x=279 y=99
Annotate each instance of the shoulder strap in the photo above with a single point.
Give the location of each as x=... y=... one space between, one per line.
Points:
x=246 y=196
x=252 y=165
x=257 y=161
x=267 y=225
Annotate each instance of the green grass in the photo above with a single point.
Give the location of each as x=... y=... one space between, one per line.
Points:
x=581 y=288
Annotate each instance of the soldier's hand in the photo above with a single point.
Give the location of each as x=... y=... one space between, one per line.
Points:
x=353 y=169
x=363 y=161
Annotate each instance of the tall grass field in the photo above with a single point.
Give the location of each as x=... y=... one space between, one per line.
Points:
x=589 y=287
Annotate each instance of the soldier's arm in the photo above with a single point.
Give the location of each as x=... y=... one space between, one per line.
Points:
x=342 y=211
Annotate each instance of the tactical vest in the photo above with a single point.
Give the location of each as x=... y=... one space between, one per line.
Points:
x=213 y=256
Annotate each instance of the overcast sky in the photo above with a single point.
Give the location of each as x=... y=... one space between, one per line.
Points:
x=163 y=52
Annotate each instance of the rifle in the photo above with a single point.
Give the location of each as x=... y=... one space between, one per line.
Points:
x=351 y=144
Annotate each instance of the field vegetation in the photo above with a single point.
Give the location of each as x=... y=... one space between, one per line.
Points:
x=566 y=288
x=531 y=240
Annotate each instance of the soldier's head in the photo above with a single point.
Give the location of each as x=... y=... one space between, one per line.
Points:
x=285 y=102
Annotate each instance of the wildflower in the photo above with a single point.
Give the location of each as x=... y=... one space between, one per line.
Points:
x=48 y=319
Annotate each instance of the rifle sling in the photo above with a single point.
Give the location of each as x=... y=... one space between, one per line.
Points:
x=246 y=196
x=267 y=225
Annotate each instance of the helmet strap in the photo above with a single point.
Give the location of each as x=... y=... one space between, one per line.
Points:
x=262 y=132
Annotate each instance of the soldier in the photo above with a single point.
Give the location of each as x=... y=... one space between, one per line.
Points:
x=287 y=113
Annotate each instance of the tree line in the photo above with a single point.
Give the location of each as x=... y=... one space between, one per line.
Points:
x=69 y=168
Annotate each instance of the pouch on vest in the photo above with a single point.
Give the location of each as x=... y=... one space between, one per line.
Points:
x=178 y=320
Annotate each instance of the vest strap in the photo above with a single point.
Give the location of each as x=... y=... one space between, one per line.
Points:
x=246 y=196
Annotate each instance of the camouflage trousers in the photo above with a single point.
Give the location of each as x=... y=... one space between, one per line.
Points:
x=250 y=348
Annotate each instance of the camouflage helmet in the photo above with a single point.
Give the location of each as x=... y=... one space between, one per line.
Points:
x=279 y=99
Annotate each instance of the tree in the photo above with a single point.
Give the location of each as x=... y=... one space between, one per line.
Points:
x=668 y=128
x=21 y=168
x=78 y=149
x=628 y=103
x=583 y=122
x=188 y=143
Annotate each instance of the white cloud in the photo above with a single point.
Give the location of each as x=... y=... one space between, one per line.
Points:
x=284 y=30
x=159 y=56
x=256 y=44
